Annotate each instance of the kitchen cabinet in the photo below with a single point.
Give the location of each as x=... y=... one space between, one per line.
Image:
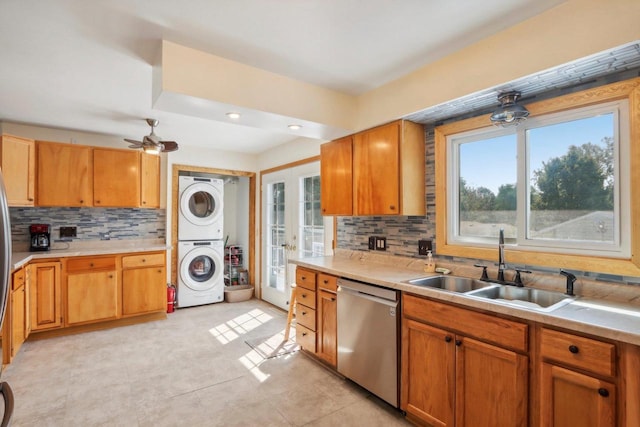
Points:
x=389 y=170
x=18 y=311
x=306 y=309
x=380 y=171
x=45 y=298
x=143 y=283
x=65 y=175
x=116 y=178
x=91 y=286
x=577 y=380
x=150 y=180
x=327 y=318
x=457 y=363
x=336 y=177
x=18 y=163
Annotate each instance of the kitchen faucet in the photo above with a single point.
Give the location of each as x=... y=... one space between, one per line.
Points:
x=501 y=264
x=570 y=281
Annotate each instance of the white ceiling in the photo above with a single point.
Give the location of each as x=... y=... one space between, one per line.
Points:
x=86 y=65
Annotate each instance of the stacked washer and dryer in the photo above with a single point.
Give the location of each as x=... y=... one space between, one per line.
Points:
x=200 y=244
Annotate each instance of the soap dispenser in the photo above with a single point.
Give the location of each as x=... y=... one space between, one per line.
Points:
x=430 y=265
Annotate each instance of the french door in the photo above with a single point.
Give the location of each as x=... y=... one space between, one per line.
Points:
x=292 y=225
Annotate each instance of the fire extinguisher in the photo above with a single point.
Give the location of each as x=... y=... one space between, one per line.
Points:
x=171 y=298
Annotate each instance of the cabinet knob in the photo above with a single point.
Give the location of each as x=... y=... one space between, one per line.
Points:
x=81 y=201
x=303 y=278
x=333 y=299
x=603 y=392
x=574 y=349
x=304 y=313
x=91 y=265
x=30 y=199
x=98 y=201
x=111 y=276
x=144 y=260
x=448 y=338
x=144 y=203
x=392 y=207
x=304 y=334
x=159 y=271
x=458 y=343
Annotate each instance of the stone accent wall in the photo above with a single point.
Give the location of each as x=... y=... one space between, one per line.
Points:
x=92 y=223
x=402 y=232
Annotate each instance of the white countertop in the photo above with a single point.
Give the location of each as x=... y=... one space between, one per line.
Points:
x=18 y=259
x=614 y=320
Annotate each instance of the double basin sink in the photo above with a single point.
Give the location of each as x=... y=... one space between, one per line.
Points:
x=535 y=299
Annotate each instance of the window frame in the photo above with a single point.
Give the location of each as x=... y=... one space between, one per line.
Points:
x=628 y=266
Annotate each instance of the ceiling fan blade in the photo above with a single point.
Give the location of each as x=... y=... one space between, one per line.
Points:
x=135 y=146
x=133 y=141
x=169 y=146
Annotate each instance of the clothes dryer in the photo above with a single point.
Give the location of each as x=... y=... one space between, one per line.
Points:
x=201 y=203
x=200 y=272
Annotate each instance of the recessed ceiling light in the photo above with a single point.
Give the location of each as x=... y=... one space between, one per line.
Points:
x=295 y=127
x=233 y=115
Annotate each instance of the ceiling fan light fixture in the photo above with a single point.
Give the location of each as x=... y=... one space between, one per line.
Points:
x=509 y=113
x=295 y=127
x=233 y=115
x=151 y=150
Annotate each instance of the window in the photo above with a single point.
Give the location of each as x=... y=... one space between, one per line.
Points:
x=562 y=185
x=312 y=227
x=552 y=183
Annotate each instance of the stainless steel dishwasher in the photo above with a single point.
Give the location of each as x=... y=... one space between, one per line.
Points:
x=368 y=337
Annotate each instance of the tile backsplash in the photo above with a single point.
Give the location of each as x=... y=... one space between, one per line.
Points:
x=91 y=223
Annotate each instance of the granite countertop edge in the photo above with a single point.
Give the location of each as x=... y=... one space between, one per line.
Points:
x=19 y=259
x=601 y=318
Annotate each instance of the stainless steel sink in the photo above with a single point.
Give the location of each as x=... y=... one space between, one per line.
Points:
x=450 y=283
x=535 y=299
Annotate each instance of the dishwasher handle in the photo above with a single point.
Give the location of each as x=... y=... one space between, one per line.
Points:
x=361 y=292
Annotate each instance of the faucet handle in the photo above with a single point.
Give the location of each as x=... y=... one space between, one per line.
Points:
x=518 y=279
x=484 y=276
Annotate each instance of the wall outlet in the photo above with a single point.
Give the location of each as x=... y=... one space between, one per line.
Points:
x=68 y=232
x=424 y=246
x=381 y=243
x=372 y=243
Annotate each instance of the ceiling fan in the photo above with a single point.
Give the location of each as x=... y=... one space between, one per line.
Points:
x=152 y=143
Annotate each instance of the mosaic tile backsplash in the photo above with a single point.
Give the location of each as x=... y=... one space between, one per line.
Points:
x=92 y=223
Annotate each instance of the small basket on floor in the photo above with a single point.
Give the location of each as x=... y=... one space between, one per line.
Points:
x=238 y=293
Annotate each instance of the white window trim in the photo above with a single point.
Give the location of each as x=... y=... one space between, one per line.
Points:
x=621 y=248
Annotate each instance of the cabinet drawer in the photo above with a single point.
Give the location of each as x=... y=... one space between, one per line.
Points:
x=580 y=352
x=306 y=297
x=88 y=264
x=18 y=279
x=306 y=278
x=133 y=261
x=486 y=327
x=306 y=317
x=306 y=338
x=327 y=282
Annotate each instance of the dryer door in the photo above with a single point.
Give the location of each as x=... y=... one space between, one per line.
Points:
x=201 y=269
x=201 y=204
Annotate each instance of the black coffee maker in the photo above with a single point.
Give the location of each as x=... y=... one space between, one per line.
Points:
x=40 y=237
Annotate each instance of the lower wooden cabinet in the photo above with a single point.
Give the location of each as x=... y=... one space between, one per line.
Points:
x=91 y=290
x=18 y=311
x=143 y=284
x=327 y=337
x=45 y=299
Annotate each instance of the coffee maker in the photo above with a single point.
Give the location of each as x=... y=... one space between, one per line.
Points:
x=40 y=237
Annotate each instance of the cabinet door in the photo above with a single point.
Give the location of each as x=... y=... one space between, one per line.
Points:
x=91 y=297
x=65 y=176
x=18 y=165
x=428 y=374
x=491 y=385
x=143 y=290
x=150 y=180
x=17 y=319
x=27 y=300
x=569 y=398
x=376 y=171
x=327 y=327
x=116 y=178
x=336 y=177
x=44 y=296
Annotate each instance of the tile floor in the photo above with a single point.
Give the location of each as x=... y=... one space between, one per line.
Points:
x=193 y=369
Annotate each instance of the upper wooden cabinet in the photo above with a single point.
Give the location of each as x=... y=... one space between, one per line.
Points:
x=17 y=161
x=336 y=177
x=65 y=175
x=150 y=180
x=387 y=171
x=116 y=177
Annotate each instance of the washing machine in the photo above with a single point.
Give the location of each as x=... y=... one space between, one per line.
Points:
x=200 y=215
x=200 y=272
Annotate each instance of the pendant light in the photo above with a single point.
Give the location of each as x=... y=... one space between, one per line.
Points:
x=509 y=113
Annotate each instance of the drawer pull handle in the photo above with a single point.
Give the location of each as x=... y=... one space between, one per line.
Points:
x=458 y=343
x=304 y=334
x=303 y=278
x=304 y=313
x=333 y=299
x=574 y=349
x=304 y=295
x=448 y=338
x=325 y=281
x=603 y=392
